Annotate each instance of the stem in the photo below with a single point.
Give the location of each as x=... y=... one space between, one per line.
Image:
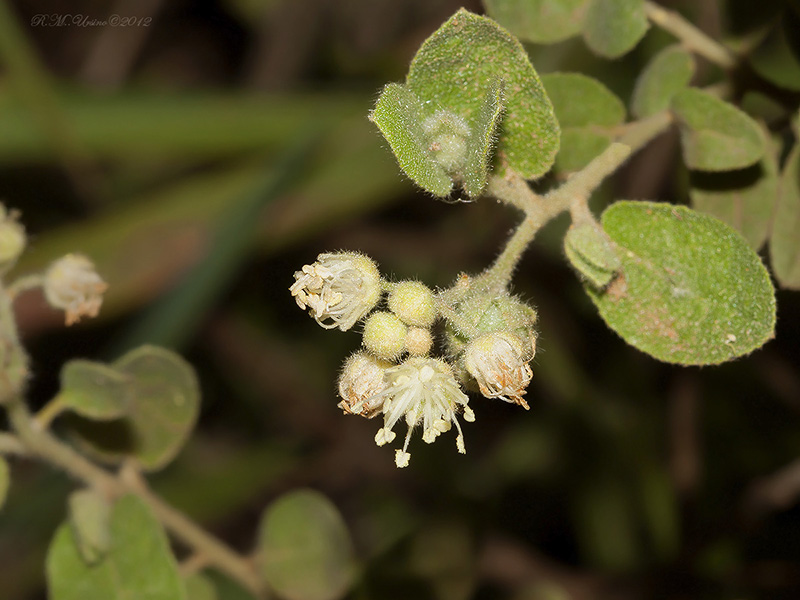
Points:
x=49 y=412
x=10 y=444
x=691 y=37
x=24 y=283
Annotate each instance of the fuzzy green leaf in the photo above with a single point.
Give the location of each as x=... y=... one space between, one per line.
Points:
x=5 y=480
x=94 y=390
x=591 y=253
x=139 y=564
x=775 y=59
x=200 y=587
x=305 y=551
x=784 y=244
x=691 y=291
x=539 y=21
x=456 y=67
x=743 y=199
x=715 y=135
x=612 y=28
x=398 y=114
x=90 y=518
x=579 y=145
x=482 y=140
x=665 y=75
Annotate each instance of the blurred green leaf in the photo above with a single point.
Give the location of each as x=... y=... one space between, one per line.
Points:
x=139 y=565
x=398 y=114
x=612 y=28
x=305 y=551
x=775 y=59
x=784 y=245
x=579 y=145
x=715 y=135
x=5 y=480
x=456 y=67
x=539 y=21
x=665 y=75
x=591 y=253
x=200 y=587
x=691 y=291
x=90 y=519
x=94 y=390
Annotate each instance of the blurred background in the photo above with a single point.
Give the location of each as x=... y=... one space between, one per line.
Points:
x=207 y=150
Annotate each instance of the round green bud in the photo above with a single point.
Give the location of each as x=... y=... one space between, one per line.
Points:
x=384 y=335
x=414 y=303
x=418 y=341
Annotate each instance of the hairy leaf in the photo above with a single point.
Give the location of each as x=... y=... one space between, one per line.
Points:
x=666 y=74
x=398 y=115
x=539 y=21
x=579 y=145
x=715 y=135
x=95 y=390
x=455 y=69
x=591 y=253
x=482 y=140
x=139 y=564
x=784 y=244
x=90 y=518
x=305 y=551
x=691 y=291
x=612 y=28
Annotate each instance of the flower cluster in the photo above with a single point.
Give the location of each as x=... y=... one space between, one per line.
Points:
x=395 y=376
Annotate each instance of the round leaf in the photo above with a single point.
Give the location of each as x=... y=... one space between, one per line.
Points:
x=715 y=135
x=539 y=21
x=454 y=70
x=90 y=518
x=613 y=27
x=305 y=551
x=94 y=390
x=785 y=242
x=579 y=145
x=691 y=291
x=580 y=101
x=666 y=74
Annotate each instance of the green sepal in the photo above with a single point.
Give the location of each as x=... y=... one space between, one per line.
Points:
x=398 y=115
x=456 y=67
x=539 y=21
x=690 y=291
x=665 y=75
x=591 y=253
x=90 y=519
x=715 y=135
x=612 y=28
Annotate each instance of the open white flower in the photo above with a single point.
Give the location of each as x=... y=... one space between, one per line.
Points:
x=499 y=363
x=72 y=284
x=339 y=289
x=424 y=391
x=360 y=385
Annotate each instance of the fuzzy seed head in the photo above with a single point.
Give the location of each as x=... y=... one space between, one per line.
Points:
x=499 y=363
x=360 y=385
x=72 y=284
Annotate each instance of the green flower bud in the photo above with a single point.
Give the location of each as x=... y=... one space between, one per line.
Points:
x=384 y=335
x=414 y=303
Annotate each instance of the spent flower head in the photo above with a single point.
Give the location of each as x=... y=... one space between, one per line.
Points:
x=339 y=289
x=499 y=363
x=72 y=284
x=360 y=384
x=423 y=391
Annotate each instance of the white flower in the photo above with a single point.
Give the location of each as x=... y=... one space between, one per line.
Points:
x=499 y=363
x=424 y=391
x=341 y=287
x=72 y=284
x=361 y=382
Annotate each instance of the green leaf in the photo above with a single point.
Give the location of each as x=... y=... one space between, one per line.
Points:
x=200 y=587
x=715 y=135
x=482 y=140
x=784 y=244
x=691 y=291
x=539 y=21
x=94 y=390
x=456 y=67
x=90 y=518
x=139 y=565
x=612 y=28
x=591 y=253
x=305 y=551
x=398 y=114
x=579 y=145
x=165 y=401
x=666 y=74
x=743 y=199
x=775 y=59
x=5 y=480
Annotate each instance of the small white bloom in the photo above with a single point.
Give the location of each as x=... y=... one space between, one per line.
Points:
x=338 y=289
x=499 y=363
x=72 y=284
x=360 y=384
x=423 y=391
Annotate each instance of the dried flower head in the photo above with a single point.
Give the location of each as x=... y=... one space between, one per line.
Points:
x=361 y=382
x=339 y=289
x=424 y=391
x=71 y=283
x=499 y=363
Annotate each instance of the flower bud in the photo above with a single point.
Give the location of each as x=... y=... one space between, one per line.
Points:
x=339 y=289
x=384 y=335
x=71 y=283
x=361 y=381
x=499 y=363
x=12 y=239
x=447 y=134
x=418 y=341
x=414 y=303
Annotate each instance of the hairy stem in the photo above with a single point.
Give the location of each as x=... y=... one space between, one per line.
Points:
x=690 y=36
